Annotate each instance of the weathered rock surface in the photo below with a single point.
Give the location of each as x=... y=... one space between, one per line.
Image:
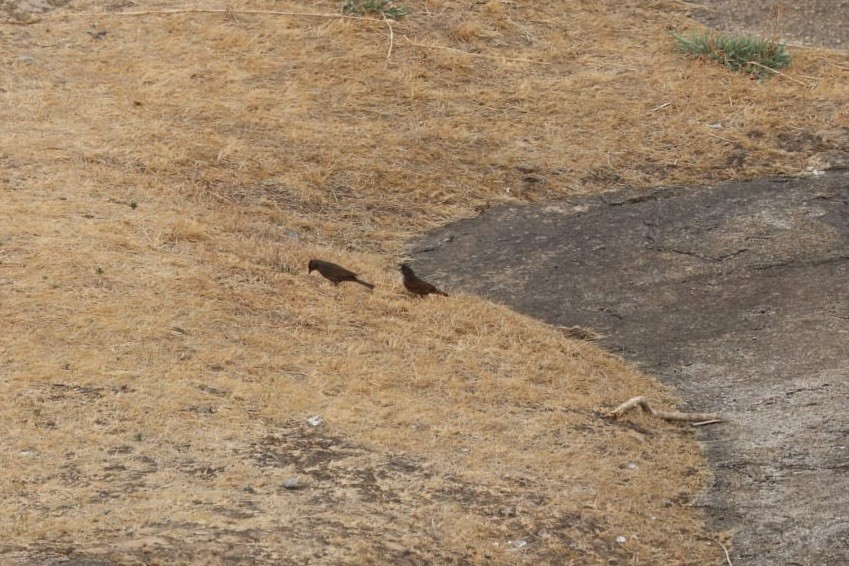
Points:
x=738 y=295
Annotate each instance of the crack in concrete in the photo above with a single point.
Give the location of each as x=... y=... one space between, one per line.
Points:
x=696 y=255
x=801 y=264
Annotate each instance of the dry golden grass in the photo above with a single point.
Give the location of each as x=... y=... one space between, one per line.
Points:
x=159 y=362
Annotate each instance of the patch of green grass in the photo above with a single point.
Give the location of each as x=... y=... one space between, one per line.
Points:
x=758 y=57
x=383 y=8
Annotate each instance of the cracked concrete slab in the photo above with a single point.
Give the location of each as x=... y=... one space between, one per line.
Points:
x=736 y=295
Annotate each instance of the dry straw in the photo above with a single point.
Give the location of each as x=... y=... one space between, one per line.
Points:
x=160 y=361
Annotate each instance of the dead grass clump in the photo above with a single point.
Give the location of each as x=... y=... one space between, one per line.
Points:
x=467 y=32
x=186 y=230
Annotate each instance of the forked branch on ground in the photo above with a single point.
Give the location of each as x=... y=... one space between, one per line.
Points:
x=697 y=419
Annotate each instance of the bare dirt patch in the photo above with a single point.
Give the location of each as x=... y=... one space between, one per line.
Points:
x=737 y=296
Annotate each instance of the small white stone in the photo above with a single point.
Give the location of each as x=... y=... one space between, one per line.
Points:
x=315 y=421
x=621 y=540
x=518 y=544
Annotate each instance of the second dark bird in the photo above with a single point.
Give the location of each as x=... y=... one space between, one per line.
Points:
x=418 y=286
x=335 y=273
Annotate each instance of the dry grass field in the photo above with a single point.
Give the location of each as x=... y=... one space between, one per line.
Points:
x=162 y=187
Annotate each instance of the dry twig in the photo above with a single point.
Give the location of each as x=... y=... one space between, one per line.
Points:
x=785 y=75
x=641 y=402
x=391 y=39
x=15 y=22
x=724 y=549
x=469 y=53
x=719 y=137
x=704 y=423
x=220 y=11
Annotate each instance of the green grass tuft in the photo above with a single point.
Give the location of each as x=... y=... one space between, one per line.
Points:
x=381 y=7
x=758 y=57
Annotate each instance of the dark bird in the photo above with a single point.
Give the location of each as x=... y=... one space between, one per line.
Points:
x=335 y=273
x=418 y=286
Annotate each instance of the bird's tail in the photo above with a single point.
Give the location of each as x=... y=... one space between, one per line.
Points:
x=364 y=284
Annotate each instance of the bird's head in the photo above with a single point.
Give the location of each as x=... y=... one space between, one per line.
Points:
x=311 y=266
x=405 y=269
